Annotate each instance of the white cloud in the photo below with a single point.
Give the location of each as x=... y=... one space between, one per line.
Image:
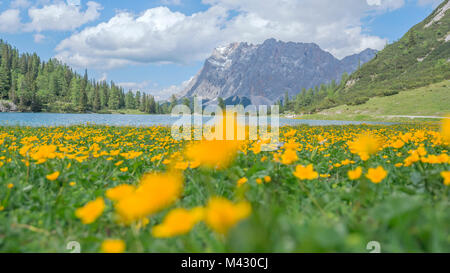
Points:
x=433 y=3
x=74 y=2
x=10 y=20
x=166 y=93
x=104 y=77
x=141 y=86
x=160 y=35
x=38 y=38
x=61 y=16
x=386 y=4
x=20 y=4
x=171 y=2
x=156 y=36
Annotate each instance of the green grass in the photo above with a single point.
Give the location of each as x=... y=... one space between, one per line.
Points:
x=432 y=100
x=127 y=112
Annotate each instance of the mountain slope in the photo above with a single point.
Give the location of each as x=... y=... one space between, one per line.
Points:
x=263 y=73
x=430 y=100
x=419 y=58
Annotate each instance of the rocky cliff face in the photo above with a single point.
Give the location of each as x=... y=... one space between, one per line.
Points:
x=7 y=106
x=263 y=73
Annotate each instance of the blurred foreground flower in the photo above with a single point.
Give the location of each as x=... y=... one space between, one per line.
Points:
x=113 y=246
x=53 y=176
x=91 y=211
x=305 y=173
x=155 y=192
x=376 y=175
x=364 y=146
x=213 y=154
x=445 y=131
x=446 y=176
x=355 y=174
x=221 y=214
x=178 y=222
x=120 y=192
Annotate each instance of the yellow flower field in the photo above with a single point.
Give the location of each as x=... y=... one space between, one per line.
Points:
x=136 y=189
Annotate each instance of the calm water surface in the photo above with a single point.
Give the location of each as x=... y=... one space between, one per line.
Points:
x=50 y=119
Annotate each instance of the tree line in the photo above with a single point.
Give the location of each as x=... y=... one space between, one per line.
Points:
x=35 y=85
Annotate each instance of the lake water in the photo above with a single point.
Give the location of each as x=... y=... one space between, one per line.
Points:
x=50 y=119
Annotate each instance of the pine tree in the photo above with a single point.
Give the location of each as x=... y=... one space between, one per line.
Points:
x=83 y=96
x=173 y=102
x=96 y=102
x=137 y=103
x=114 y=98
x=129 y=100
x=5 y=72
x=152 y=105
x=74 y=91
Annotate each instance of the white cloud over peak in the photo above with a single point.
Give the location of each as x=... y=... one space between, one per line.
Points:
x=159 y=35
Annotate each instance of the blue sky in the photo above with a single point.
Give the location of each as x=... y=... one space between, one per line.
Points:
x=158 y=45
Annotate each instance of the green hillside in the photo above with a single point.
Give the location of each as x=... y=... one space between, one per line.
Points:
x=419 y=58
x=432 y=100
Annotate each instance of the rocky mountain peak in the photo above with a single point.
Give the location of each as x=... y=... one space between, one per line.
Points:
x=263 y=73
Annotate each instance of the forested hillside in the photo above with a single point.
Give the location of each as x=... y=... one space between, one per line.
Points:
x=421 y=57
x=35 y=85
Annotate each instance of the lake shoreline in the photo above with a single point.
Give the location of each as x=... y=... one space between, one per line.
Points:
x=51 y=119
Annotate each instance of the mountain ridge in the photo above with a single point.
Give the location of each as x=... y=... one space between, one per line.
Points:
x=263 y=73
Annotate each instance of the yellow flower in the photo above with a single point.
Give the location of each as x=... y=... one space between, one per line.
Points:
x=213 y=154
x=355 y=174
x=364 y=146
x=290 y=133
x=221 y=214
x=53 y=176
x=44 y=152
x=178 y=222
x=2 y=208
x=242 y=181
x=445 y=131
x=267 y=179
x=181 y=165
x=124 y=169
x=120 y=192
x=194 y=164
x=155 y=192
x=113 y=246
x=10 y=186
x=259 y=181
x=446 y=176
x=256 y=148
x=72 y=184
x=289 y=156
x=305 y=173
x=119 y=163
x=91 y=211
x=398 y=144
x=376 y=175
